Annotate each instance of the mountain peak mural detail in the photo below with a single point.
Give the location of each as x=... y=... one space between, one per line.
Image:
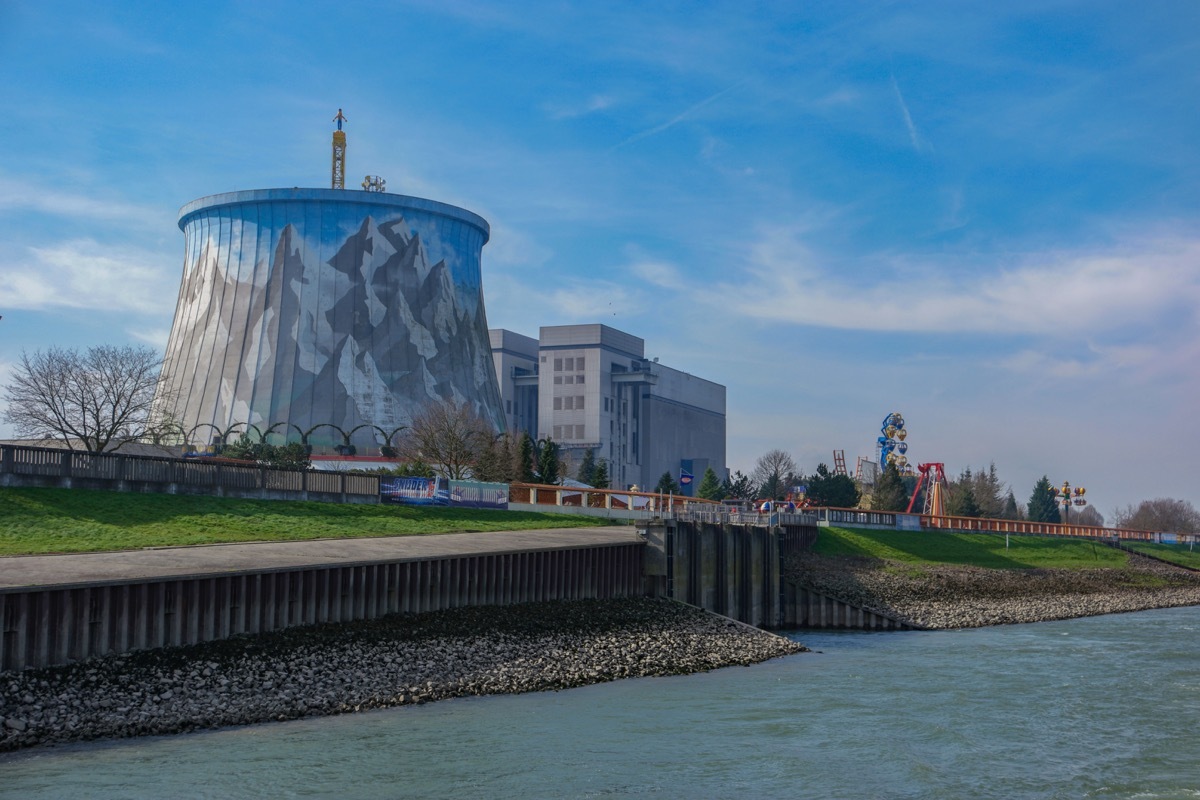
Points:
x=338 y=317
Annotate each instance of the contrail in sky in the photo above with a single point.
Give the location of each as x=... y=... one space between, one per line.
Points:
x=678 y=118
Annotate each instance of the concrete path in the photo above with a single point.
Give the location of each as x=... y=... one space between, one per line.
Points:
x=85 y=568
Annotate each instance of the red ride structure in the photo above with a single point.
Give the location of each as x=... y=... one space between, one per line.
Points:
x=933 y=478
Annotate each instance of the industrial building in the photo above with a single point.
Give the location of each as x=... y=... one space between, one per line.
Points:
x=327 y=314
x=592 y=387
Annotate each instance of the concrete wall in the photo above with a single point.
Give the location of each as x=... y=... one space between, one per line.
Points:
x=44 y=626
x=734 y=570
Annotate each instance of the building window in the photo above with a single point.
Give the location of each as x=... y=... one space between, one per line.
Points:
x=557 y=379
x=569 y=379
x=570 y=365
x=579 y=364
x=579 y=379
x=558 y=404
x=579 y=401
x=558 y=432
x=568 y=403
x=558 y=365
x=508 y=405
x=543 y=359
x=578 y=431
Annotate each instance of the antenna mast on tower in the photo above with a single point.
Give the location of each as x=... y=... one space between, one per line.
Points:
x=339 y=152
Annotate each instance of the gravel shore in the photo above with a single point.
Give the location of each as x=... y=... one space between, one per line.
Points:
x=943 y=596
x=397 y=660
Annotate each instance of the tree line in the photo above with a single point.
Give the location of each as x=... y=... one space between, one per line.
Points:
x=102 y=398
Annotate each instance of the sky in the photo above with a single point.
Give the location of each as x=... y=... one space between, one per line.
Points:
x=984 y=216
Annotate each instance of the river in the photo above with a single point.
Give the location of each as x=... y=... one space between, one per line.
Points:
x=1103 y=707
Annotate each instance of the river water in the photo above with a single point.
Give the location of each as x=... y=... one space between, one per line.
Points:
x=1104 y=707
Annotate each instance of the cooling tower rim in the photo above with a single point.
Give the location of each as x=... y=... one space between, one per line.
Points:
x=341 y=196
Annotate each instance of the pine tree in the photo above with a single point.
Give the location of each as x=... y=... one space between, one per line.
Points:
x=710 y=486
x=587 y=468
x=889 y=494
x=548 y=464
x=1011 y=509
x=524 y=467
x=600 y=478
x=1043 y=503
x=666 y=485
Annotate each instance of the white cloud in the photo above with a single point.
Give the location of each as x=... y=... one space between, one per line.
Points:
x=592 y=105
x=83 y=274
x=1046 y=293
x=913 y=135
x=155 y=337
x=22 y=196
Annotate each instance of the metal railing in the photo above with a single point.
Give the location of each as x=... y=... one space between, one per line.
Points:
x=47 y=462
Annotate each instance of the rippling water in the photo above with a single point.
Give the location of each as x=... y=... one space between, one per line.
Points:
x=1106 y=707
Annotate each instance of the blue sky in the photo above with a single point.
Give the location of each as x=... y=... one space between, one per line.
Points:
x=982 y=215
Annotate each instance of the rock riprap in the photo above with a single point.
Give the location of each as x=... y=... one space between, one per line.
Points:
x=947 y=596
x=396 y=660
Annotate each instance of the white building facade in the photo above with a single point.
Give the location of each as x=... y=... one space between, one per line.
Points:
x=594 y=389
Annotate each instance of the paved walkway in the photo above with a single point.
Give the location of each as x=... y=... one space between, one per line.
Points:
x=82 y=568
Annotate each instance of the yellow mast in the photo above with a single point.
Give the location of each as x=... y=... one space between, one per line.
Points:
x=339 y=153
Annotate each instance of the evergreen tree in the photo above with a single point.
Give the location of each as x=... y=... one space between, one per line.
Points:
x=710 y=486
x=738 y=486
x=587 y=468
x=1011 y=509
x=548 y=464
x=963 y=502
x=832 y=491
x=666 y=485
x=600 y=478
x=525 y=463
x=889 y=494
x=1043 y=504
x=283 y=456
x=989 y=492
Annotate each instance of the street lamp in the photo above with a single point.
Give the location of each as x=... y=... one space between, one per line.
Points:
x=1068 y=497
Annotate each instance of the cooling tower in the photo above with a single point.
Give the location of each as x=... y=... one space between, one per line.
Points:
x=301 y=308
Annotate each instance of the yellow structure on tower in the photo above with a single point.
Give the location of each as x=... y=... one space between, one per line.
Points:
x=339 y=152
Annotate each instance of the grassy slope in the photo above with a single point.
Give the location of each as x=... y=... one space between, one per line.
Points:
x=80 y=520
x=976 y=549
x=1175 y=553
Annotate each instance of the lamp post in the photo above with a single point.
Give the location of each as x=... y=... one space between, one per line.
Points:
x=1067 y=496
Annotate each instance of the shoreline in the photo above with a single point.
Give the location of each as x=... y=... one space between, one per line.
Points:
x=946 y=597
x=392 y=661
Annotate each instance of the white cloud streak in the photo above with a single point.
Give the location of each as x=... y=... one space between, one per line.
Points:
x=657 y=129
x=82 y=274
x=913 y=136
x=1050 y=293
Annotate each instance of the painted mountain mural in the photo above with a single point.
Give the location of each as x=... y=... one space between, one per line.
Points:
x=340 y=319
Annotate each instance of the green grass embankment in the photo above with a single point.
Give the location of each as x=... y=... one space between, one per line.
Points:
x=969 y=549
x=80 y=520
x=1175 y=553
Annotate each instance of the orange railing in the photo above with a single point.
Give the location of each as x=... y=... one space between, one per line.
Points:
x=621 y=499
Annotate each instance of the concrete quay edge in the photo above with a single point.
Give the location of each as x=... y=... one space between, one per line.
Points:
x=70 y=570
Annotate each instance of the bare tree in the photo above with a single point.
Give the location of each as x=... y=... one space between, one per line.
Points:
x=98 y=400
x=449 y=437
x=774 y=472
x=1161 y=514
x=1088 y=515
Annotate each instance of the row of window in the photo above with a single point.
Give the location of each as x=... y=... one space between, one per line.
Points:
x=569 y=403
x=561 y=379
x=564 y=432
x=569 y=364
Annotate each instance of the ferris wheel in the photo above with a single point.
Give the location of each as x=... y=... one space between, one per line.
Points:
x=890 y=445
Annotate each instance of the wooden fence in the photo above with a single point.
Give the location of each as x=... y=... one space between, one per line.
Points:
x=44 y=466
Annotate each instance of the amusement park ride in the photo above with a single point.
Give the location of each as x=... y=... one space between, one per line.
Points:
x=891 y=448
